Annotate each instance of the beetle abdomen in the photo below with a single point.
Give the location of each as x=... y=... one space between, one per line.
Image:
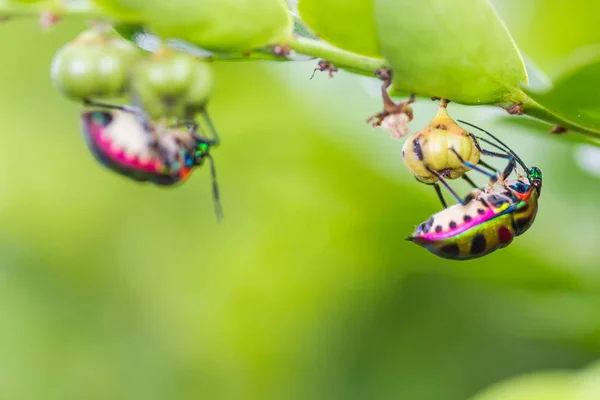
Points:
x=524 y=215
x=477 y=241
x=117 y=138
x=463 y=232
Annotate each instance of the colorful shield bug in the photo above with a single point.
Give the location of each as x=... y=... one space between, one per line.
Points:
x=487 y=220
x=436 y=153
x=123 y=139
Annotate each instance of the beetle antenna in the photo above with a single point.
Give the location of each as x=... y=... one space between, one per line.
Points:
x=502 y=149
x=211 y=127
x=192 y=127
x=215 y=189
x=521 y=163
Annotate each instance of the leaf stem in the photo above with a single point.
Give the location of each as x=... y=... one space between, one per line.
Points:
x=534 y=109
x=340 y=58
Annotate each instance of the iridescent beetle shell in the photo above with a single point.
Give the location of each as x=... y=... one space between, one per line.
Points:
x=124 y=140
x=120 y=142
x=488 y=222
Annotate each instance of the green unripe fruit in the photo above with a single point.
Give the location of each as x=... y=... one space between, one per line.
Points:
x=200 y=89
x=128 y=52
x=171 y=84
x=93 y=65
x=154 y=105
x=431 y=149
x=148 y=100
x=88 y=72
x=167 y=73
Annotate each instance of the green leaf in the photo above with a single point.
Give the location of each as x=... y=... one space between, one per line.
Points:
x=553 y=385
x=348 y=24
x=129 y=31
x=219 y=25
x=574 y=95
x=537 y=78
x=549 y=30
x=458 y=50
x=542 y=128
x=121 y=10
x=302 y=29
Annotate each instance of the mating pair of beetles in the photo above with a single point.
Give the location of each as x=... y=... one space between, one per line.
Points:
x=126 y=141
x=485 y=220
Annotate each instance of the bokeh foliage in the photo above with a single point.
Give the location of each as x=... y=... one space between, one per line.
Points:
x=112 y=289
x=465 y=50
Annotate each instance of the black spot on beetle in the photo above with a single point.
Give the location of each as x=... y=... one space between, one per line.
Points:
x=478 y=244
x=467 y=218
x=425 y=226
x=520 y=224
x=497 y=201
x=438 y=228
x=510 y=195
x=480 y=211
x=417 y=149
x=450 y=250
x=452 y=224
x=441 y=126
x=520 y=187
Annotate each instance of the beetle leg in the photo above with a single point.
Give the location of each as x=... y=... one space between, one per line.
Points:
x=510 y=158
x=504 y=148
x=487 y=152
x=512 y=165
x=215 y=189
x=488 y=166
x=189 y=139
x=493 y=177
x=471 y=196
x=439 y=193
x=215 y=135
x=192 y=126
x=470 y=182
x=130 y=109
x=135 y=110
x=443 y=182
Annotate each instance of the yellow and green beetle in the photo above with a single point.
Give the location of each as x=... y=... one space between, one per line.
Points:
x=485 y=220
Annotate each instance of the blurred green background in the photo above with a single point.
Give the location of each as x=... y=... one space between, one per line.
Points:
x=110 y=289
